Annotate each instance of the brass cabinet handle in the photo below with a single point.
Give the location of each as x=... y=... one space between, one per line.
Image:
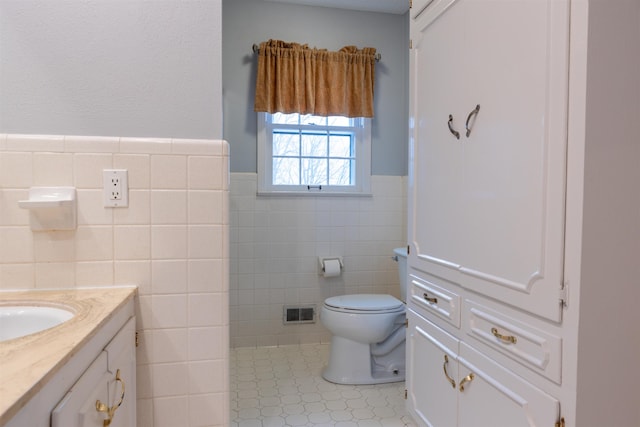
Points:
x=427 y=298
x=451 y=129
x=446 y=374
x=471 y=114
x=506 y=338
x=111 y=411
x=465 y=380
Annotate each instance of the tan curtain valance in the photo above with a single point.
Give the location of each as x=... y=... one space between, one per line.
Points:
x=293 y=78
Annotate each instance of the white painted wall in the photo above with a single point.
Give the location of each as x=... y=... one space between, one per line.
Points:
x=132 y=68
x=608 y=341
x=90 y=67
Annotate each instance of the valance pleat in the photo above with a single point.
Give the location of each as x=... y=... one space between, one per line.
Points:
x=293 y=78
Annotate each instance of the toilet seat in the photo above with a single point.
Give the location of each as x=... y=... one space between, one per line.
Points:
x=364 y=303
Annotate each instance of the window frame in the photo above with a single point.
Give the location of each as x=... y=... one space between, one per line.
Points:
x=362 y=173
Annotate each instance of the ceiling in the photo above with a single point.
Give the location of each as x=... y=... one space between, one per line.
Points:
x=384 y=6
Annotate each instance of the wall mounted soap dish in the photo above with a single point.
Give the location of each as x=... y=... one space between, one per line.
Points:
x=51 y=208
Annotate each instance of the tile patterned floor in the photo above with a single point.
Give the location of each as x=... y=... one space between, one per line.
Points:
x=282 y=386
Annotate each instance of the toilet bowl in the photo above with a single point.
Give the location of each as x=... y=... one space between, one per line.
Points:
x=368 y=335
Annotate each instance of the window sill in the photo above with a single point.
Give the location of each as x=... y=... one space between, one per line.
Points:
x=311 y=194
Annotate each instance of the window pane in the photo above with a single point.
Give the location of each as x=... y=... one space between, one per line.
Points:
x=340 y=146
x=313 y=120
x=339 y=121
x=314 y=144
x=314 y=150
x=289 y=119
x=340 y=172
x=286 y=143
x=286 y=171
x=314 y=172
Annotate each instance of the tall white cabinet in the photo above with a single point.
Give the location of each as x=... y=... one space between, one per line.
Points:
x=498 y=92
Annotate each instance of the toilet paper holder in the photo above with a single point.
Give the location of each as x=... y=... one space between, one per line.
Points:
x=322 y=260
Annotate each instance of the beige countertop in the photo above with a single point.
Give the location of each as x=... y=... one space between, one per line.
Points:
x=27 y=363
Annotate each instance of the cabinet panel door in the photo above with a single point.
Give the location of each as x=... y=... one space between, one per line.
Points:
x=418 y=6
x=78 y=407
x=514 y=161
x=487 y=210
x=496 y=397
x=431 y=398
x=98 y=382
x=121 y=353
x=436 y=153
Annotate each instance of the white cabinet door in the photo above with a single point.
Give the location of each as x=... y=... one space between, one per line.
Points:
x=432 y=362
x=495 y=397
x=78 y=407
x=122 y=361
x=436 y=164
x=451 y=384
x=487 y=209
x=109 y=380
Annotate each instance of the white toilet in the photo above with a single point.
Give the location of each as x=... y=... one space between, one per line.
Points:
x=368 y=334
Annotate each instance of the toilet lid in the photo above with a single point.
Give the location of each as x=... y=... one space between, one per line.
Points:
x=365 y=302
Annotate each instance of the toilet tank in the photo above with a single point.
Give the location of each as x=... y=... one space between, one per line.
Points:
x=401 y=258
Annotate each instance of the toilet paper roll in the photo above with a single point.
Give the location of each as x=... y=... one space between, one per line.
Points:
x=331 y=268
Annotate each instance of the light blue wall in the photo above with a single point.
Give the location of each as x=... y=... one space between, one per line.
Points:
x=245 y=22
x=134 y=68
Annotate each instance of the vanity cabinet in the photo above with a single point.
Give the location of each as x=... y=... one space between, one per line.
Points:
x=498 y=187
x=105 y=394
x=97 y=353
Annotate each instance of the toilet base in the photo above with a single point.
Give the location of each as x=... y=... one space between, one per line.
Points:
x=358 y=368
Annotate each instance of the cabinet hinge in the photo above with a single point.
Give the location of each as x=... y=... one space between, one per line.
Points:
x=560 y=422
x=137 y=339
x=563 y=294
x=408 y=249
x=405 y=394
x=410 y=44
x=410 y=4
x=406 y=323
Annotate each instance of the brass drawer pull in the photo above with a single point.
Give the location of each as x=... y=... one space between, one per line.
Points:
x=505 y=338
x=427 y=298
x=465 y=380
x=446 y=374
x=111 y=411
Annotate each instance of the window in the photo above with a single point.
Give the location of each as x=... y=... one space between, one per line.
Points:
x=313 y=154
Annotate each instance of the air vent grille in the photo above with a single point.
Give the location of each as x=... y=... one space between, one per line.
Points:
x=297 y=314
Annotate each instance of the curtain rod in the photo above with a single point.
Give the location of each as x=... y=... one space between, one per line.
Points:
x=256 y=48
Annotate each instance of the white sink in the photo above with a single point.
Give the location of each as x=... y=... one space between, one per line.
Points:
x=20 y=320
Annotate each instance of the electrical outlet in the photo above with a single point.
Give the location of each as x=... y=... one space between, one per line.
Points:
x=115 y=188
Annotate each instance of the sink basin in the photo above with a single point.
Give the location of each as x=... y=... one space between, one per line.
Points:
x=19 y=320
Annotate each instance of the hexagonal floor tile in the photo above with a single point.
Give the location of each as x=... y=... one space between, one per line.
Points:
x=282 y=386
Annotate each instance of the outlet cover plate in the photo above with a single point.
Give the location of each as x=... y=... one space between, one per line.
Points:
x=115 y=188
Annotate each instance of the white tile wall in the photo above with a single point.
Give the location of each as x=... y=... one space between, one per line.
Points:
x=172 y=241
x=274 y=245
